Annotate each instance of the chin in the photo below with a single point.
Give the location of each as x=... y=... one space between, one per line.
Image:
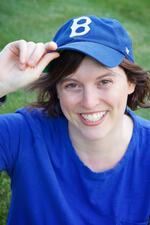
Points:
x=94 y=135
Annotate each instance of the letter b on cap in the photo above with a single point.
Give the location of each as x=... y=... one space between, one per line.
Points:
x=77 y=25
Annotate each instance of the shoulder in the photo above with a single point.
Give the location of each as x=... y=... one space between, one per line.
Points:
x=139 y=121
x=33 y=119
x=38 y=114
x=141 y=131
x=20 y=117
x=37 y=118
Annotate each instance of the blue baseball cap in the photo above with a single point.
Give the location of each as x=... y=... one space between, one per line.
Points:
x=103 y=39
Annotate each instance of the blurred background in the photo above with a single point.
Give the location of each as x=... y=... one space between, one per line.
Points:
x=38 y=20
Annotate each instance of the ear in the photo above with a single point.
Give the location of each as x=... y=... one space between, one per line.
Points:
x=131 y=87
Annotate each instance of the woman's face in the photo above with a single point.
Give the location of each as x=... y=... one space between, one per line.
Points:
x=94 y=98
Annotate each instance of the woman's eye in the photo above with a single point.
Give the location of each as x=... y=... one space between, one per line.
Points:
x=105 y=83
x=71 y=86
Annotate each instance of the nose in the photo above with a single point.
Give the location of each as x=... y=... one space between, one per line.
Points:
x=90 y=98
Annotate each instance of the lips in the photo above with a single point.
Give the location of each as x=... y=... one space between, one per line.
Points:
x=92 y=118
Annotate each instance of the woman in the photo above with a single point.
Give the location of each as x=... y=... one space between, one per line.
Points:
x=79 y=155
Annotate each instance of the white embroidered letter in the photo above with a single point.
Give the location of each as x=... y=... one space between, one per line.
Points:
x=77 y=25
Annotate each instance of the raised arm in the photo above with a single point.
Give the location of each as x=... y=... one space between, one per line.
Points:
x=22 y=62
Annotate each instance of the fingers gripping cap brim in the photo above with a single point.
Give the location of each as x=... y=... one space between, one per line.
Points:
x=103 y=54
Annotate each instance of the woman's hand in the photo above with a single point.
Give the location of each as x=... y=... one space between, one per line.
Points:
x=22 y=62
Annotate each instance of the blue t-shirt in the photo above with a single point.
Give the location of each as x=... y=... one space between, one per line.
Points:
x=51 y=186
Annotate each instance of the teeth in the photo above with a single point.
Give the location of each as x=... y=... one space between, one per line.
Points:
x=93 y=117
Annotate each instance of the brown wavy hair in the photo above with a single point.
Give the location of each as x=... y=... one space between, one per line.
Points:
x=67 y=63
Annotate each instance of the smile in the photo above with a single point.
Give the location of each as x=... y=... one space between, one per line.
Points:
x=92 y=118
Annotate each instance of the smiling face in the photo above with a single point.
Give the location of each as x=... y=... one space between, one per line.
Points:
x=93 y=99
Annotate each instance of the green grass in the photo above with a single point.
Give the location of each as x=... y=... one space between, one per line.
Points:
x=38 y=20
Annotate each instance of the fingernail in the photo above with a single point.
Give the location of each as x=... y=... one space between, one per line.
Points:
x=53 y=44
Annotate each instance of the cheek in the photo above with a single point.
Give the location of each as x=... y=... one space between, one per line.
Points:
x=64 y=100
x=117 y=97
x=67 y=102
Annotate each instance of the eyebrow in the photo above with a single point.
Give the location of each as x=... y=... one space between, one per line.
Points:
x=106 y=75
x=68 y=78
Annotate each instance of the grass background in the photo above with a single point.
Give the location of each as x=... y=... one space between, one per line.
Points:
x=38 y=20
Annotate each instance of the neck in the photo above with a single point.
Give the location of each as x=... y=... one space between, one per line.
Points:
x=104 y=153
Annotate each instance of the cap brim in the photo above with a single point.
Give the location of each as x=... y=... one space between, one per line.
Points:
x=103 y=54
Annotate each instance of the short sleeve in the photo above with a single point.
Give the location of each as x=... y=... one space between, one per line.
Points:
x=11 y=126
